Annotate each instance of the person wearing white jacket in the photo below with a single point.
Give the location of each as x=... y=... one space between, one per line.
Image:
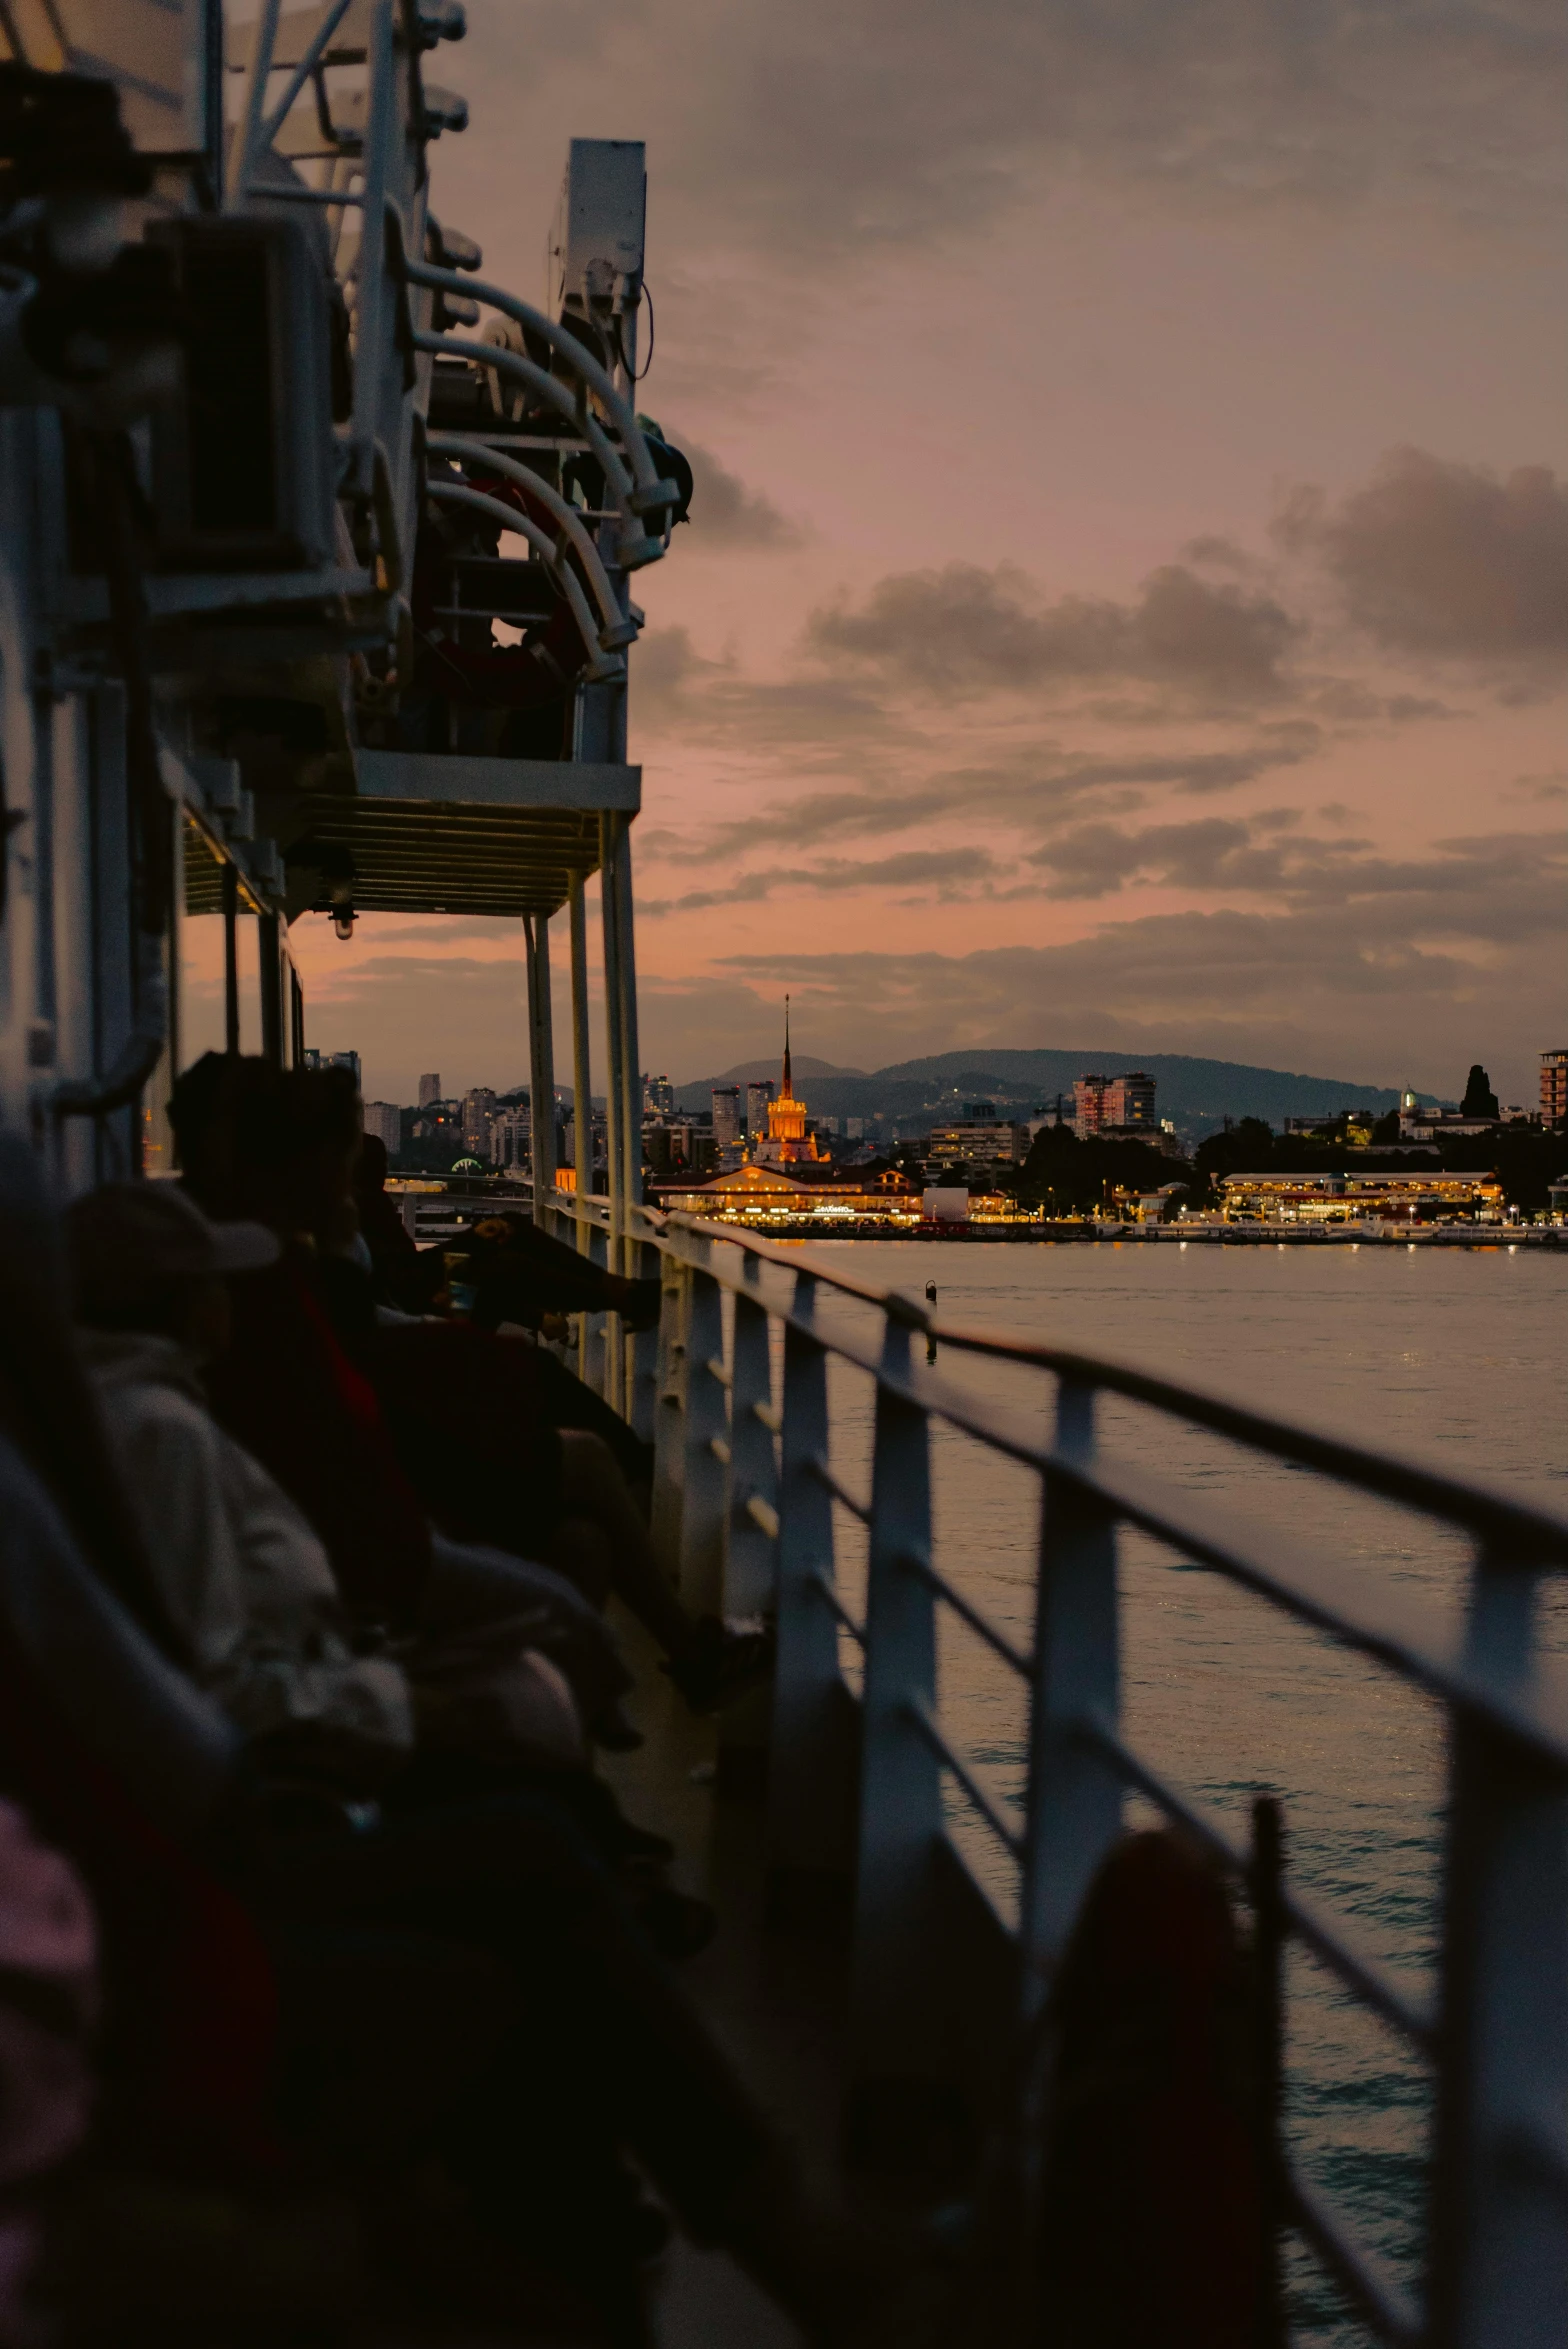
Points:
x=241 y=1570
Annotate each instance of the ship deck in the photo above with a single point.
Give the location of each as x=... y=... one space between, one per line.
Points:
x=775 y=1997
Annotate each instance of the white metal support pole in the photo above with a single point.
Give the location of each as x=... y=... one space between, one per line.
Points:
x=810 y=1805
x=1075 y=1794
x=1499 y=2217
x=614 y=1103
x=370 y=275
x=255 y=101
x=541 y=1066
x=895 y=1956
x=582 y=1061
x=707 y=1450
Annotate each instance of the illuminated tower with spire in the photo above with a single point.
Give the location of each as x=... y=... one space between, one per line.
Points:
x=787 y=1138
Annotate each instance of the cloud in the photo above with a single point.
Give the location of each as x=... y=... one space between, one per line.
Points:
x=1033 y=789
x=963 y=631
x=823 y=133
x=946 y=870
x=1443 y=560
x=1403 y=978
x=730 y=518
x=1515 y=878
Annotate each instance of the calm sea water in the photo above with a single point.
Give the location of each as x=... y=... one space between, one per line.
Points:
x=1459 y=1356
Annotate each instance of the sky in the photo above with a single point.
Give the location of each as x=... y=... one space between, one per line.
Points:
x=1126 y=600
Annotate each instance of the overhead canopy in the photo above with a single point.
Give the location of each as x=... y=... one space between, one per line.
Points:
x=430 y=833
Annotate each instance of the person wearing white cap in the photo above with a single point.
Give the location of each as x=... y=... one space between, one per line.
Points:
x=242 y=1572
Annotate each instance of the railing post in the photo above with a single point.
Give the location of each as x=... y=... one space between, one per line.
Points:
x=1075 y=1794
x=1499 y=2218
x=707 y=1451
x=614 y=1106
x=810 y=1820
x=895 y=1961
x=751 y=1526
x=751 y=1546
x=669 y=1426
x=593 y=1348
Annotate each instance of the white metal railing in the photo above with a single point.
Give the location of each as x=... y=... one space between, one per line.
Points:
x=745 y=1494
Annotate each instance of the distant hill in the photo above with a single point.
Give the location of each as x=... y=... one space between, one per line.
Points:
x=1196 y=1094
x=751 y=1072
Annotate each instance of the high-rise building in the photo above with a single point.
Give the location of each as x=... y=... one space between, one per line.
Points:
x=479 y=1106
x=1118 y=1103
x=1554 y=1087
x=757 y=1098
x=429 y=1090
x=1131 y=1101
x=385 y=1120
x=658 y=1097
x=726 y=1116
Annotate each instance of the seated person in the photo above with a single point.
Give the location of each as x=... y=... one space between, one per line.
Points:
x=243 y=1577
x=452 y=1409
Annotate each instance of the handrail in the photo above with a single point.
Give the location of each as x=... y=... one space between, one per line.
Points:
x=1494 y=2024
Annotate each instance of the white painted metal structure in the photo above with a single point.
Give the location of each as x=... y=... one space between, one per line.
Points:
x=332 y=126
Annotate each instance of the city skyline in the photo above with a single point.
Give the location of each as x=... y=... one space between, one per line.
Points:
x=1171 y=657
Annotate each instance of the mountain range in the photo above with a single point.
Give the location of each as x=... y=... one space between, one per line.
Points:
x=1196 y=1094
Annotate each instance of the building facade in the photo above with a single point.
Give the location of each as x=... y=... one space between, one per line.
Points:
x=1431 y=1196
x=726 y=1116
x=980 y=1141
x=479 y=1109
x=763 y=1194
x=758 y=1096
x=384 y=1119
x=429 y=1090
x=1125 y=1102
x=509 y=1138
x=1554 y=1088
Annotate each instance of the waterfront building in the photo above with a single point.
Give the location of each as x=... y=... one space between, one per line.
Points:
x=384 y=1119
x=1554 y=1087
x=1123 y=1102
x=789 y=1140
x=429 y=1090
x=759 y=1094
x=770 y=1193
x=1431 y=1196
x=726 y=1116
